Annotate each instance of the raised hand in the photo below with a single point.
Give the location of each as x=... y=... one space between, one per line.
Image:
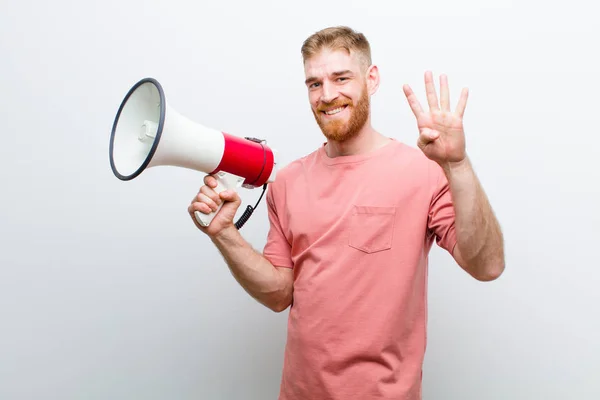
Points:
x=441 y=134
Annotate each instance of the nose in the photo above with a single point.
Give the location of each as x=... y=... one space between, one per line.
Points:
x=328 y=93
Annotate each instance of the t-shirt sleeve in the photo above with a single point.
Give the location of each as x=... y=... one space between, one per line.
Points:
x=441 y=221
x=277 y=248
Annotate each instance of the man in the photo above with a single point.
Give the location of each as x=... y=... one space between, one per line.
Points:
x=351 y=226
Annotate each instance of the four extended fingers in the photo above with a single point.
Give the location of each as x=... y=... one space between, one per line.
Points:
x=432 y=99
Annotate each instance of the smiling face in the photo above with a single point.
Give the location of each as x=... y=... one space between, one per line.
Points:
x=339 y=88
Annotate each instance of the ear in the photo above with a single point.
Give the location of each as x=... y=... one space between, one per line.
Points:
x=372 y=78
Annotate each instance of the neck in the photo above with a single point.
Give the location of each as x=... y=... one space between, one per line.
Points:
x=368 y=139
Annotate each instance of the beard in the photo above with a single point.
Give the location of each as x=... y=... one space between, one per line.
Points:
x=340 y=130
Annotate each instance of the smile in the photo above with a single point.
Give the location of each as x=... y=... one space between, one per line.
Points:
x=335 y=110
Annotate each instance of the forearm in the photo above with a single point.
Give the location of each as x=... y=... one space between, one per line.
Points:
x=254 y=272
x=479 y=237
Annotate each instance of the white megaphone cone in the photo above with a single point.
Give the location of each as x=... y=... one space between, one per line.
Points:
x=148 y=133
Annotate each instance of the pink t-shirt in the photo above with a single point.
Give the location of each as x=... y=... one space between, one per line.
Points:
x=357 y=231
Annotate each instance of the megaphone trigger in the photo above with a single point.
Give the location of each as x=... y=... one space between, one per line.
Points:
x=225 y=181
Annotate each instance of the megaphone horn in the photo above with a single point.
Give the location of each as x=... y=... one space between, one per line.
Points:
x=147 y=132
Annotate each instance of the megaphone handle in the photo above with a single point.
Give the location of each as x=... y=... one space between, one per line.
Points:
x=225 y=180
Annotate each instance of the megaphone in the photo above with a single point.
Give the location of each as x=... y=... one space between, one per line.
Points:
x=147 y=133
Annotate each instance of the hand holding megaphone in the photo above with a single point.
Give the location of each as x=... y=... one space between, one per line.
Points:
x=216 y=203
x=147 y=132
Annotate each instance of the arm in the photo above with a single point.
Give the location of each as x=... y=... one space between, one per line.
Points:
x=271 y=286
x=480 y=248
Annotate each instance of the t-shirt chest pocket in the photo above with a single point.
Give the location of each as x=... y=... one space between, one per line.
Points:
x=371 y=228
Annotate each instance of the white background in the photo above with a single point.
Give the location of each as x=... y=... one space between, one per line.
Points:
x=107 y=291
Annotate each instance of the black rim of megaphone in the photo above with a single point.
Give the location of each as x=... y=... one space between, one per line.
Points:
x=161 y=123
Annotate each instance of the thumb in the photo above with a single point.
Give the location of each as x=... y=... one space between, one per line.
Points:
x=427 y=136
x=230 y=195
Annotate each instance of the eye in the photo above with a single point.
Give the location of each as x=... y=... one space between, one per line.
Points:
x=314 y=85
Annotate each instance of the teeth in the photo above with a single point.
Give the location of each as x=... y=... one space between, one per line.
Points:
x=334 y=111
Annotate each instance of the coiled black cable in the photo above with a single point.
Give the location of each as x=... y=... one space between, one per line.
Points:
x=249 y=210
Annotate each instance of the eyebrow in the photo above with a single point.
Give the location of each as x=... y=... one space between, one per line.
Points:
x=334 y=74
